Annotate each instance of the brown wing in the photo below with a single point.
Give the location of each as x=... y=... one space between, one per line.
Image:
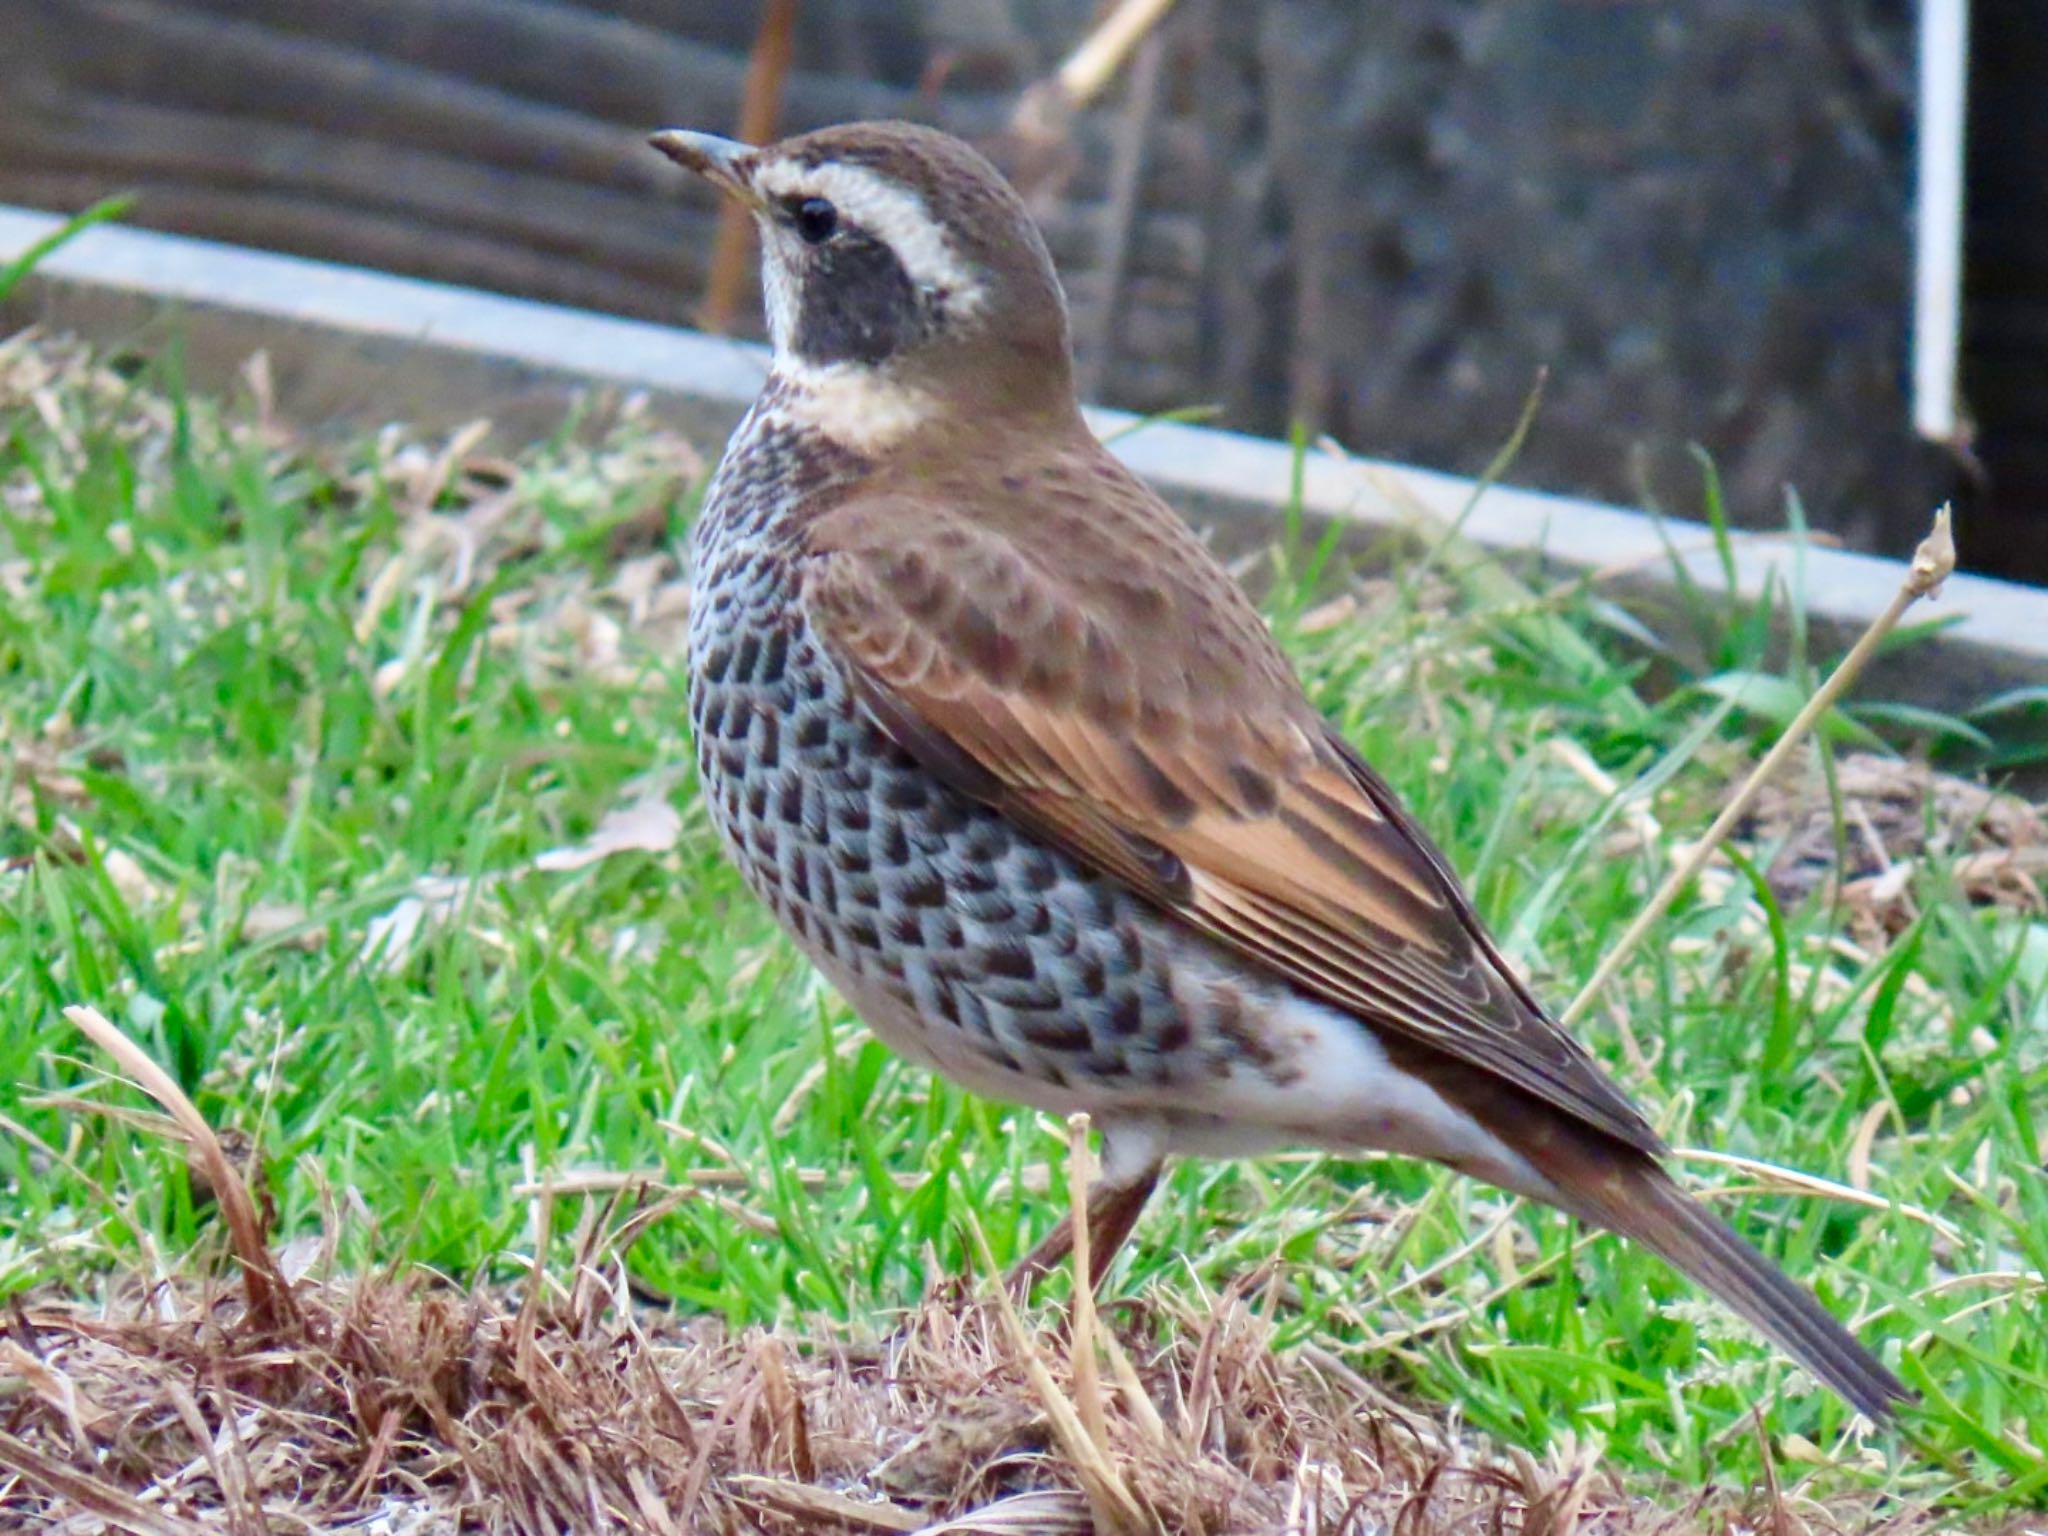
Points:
x=1076 y=658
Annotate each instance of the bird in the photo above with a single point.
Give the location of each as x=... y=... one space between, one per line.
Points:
x=1019 y=766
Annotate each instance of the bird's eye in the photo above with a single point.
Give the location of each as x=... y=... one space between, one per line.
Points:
x=816 y=220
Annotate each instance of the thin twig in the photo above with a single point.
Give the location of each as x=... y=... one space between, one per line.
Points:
x=1932 y=563
x=788 y=1423
x=760 y=110
x=826 y=1508
x=1137 y=1401
x=1119 y=213
x=1094 y=64
x=1048 y=106
x=1775 y=1179
x=270 y=1298
x=1109 y=1497
x=89 y=1494
x=1087 y=1379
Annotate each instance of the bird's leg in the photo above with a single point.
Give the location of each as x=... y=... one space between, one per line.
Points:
x=1113 y=1210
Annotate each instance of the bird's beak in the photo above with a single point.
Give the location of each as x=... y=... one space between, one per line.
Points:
x=718 y=161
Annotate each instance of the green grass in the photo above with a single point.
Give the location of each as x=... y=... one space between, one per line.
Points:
x=221 y=762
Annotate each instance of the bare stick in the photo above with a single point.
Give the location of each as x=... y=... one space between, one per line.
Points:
x=1932 y=563
x=1119 y=212
x=1094 y=64
x=1137 y=1401
x=1110 y=1499
x=1087 y=1379
x=760 y=109
x=1045 y=108
x=270 y=1298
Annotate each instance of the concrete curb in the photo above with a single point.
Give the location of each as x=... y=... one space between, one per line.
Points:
x=360 y=347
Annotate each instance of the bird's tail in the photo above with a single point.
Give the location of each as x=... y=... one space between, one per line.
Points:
x=1635 y=1197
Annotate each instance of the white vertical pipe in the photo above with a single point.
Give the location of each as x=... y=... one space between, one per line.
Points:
x=1938 y=222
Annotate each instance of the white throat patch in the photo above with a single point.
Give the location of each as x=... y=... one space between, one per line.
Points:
x=860 y=408
x=892 y=214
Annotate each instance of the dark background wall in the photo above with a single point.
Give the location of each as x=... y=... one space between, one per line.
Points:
x=1696 y=217
x=2005 y=283
x=1381 y=220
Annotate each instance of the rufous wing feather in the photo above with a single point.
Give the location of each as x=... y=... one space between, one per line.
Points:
x=1139 y=714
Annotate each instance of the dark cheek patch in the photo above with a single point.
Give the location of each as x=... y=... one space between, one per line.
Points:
x=857 y=304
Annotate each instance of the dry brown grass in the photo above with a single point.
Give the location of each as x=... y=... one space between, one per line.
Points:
x=301 y=1400
x=399 y=1404
x=1882 y=821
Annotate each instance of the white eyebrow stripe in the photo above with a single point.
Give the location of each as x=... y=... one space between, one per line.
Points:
x=890 y=212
